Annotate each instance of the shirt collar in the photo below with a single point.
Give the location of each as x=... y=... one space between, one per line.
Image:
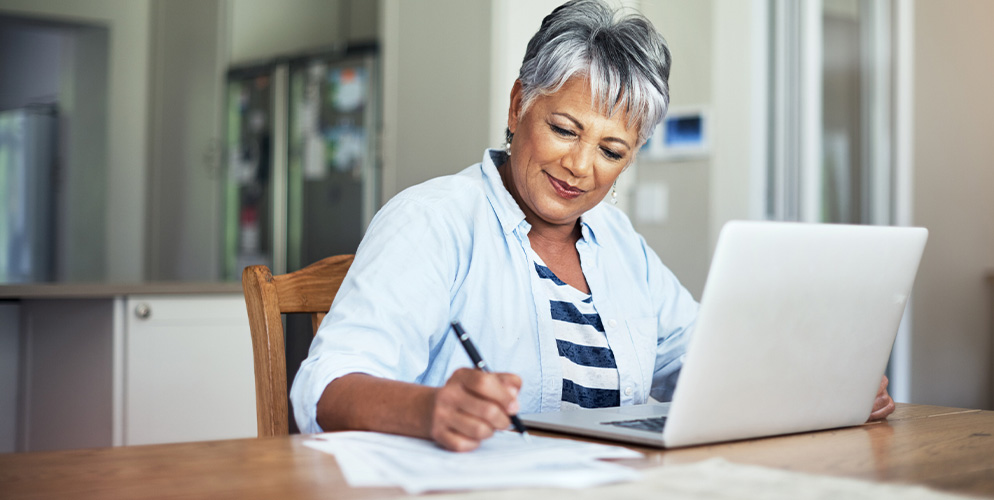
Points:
x=587 y=227
x=509 y=213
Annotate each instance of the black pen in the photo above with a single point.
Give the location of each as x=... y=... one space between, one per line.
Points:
x=474 y=356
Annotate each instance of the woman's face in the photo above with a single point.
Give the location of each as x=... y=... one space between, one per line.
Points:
x=565 y=155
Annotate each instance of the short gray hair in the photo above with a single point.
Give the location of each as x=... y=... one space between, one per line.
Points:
x=625 y=59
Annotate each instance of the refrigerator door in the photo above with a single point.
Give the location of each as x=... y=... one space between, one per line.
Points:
x=27 y=217
x=303 y=160
x=248 y=196
x=333 y=168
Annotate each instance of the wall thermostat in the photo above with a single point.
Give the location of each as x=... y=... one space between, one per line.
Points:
x=683 y=134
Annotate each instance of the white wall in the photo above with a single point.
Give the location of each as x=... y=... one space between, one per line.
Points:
x=262 y=29
x=188 y=60
x=954 y=198
x=436 y=89
x=739 y=114
x=83 y=194
x=682 y=239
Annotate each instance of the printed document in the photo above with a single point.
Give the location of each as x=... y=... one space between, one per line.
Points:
x=504 y=461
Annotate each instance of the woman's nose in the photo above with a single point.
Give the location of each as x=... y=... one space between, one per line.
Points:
x=579 y=159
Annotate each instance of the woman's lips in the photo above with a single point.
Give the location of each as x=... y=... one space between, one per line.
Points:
x=563 y=189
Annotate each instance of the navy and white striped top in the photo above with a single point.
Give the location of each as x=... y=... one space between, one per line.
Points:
x=590 y=374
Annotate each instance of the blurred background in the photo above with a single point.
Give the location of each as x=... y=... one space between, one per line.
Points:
x=180 y=140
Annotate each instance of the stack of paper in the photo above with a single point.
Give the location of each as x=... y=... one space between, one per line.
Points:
x=504 y=461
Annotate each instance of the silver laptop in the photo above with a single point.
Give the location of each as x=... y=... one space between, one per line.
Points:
x=794 y=332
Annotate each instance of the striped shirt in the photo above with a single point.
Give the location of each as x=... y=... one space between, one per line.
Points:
x=590 y=374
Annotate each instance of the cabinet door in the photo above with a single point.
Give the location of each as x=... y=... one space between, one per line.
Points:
x=188 y=369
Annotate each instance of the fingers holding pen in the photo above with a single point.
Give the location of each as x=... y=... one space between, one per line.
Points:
x=509 y=398
x=471 y=406
x=485 y=398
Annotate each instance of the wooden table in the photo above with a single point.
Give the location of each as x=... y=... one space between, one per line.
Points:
x=945 y=448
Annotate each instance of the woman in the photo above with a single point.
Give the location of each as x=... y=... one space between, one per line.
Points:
x=557 y=289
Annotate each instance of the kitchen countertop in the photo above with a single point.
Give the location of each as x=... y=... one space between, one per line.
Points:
x=108 y=290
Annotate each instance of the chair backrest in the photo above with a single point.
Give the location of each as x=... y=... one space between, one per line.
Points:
x=267 y=297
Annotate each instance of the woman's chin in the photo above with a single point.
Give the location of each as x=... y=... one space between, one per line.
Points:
x=560 y=215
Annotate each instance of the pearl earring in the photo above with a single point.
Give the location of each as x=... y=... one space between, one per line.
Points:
x=614 y=193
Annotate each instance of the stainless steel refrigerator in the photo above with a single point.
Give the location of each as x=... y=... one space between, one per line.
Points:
x=303 y=159
x=28 y=145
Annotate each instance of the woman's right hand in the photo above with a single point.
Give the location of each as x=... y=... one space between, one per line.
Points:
x=471 y=406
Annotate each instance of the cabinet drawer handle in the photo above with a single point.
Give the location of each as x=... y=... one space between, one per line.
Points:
x=143 y=311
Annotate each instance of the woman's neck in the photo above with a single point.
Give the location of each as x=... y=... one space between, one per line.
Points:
x=555 y=238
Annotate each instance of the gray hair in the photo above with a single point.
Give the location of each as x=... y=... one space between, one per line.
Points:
x=626 y=61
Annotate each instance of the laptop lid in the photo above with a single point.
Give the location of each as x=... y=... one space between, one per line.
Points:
x=795 y=329
x=794 y=332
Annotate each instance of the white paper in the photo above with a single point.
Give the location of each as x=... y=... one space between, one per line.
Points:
x=503 y=461
x=717 y=478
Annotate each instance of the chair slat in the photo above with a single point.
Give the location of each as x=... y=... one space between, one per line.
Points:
x=312 y=288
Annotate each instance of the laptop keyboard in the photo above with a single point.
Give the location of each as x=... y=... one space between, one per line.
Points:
x=653 y=424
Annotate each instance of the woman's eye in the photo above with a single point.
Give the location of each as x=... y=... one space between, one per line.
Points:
x=611 y=154
x=561 y=131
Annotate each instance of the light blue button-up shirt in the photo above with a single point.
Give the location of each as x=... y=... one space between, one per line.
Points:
x=455 y=248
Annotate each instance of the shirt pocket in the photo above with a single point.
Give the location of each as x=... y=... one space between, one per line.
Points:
x=644 y=332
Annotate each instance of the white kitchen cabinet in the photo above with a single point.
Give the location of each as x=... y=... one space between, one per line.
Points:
x=188 y=372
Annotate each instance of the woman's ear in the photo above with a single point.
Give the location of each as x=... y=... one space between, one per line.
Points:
x=514 y=111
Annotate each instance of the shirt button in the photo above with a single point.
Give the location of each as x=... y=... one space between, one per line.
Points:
x=612 y=323
x=628 y=391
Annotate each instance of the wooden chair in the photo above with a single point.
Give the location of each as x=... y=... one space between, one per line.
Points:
x=267 y=297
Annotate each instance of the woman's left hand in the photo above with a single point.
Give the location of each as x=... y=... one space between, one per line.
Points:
x=883 y=405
